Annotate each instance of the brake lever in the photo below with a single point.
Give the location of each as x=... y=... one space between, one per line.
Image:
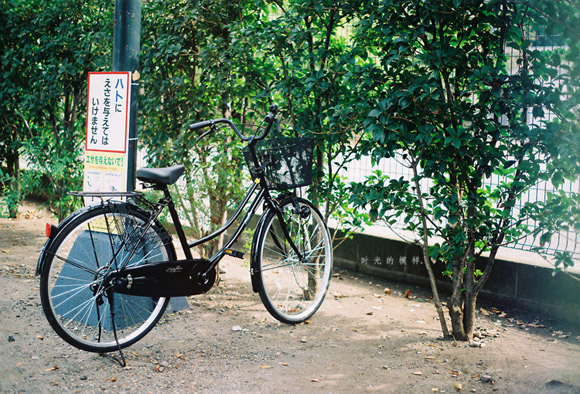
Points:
x=211 y=130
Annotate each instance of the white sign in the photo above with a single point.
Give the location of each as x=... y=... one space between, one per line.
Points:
x=108 y=111
x=107 y=132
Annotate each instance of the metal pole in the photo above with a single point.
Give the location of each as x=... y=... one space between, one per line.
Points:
x=126 y=47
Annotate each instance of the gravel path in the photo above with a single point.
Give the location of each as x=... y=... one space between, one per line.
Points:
x=361 y=340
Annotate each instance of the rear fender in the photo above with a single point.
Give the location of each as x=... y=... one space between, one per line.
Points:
x=43 y=254
x=53 y=234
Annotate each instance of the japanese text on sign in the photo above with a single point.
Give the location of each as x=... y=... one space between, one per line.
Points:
x=108 y=112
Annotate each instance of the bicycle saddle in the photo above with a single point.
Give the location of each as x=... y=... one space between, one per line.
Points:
x=163 y=176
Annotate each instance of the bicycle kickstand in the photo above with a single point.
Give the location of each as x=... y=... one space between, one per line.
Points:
x=111 y=298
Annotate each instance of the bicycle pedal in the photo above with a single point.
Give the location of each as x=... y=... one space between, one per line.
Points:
x=234 y=253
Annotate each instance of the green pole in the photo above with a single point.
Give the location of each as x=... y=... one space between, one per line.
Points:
x=126 y=47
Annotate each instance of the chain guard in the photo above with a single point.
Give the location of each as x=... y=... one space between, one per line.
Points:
x=167 y=279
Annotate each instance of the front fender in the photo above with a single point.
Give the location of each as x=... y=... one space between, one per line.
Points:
x=256 y=244
x=255 y=250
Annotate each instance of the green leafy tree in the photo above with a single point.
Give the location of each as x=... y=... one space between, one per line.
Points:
x=10 y=92
x=197 y=67
x=450 y=109
x=307 y=44
x=51 y=48
x=207 y=59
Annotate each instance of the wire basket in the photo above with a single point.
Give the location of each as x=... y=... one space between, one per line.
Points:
x=287 y=162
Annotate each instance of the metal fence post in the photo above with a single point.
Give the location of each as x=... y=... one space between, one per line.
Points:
x=126 y=47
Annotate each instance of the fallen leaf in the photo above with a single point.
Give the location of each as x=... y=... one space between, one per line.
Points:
x=266 y=366
x=315 y=380
x=5 y=251
x=52 y=369
x=370 y=313
x=40 y=337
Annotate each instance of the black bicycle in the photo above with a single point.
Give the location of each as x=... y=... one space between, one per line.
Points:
x=108 y=270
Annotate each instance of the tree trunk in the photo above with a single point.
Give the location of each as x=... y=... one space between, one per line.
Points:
x=436 y=300
x=426 y=258
x=463 y=302
x=456 y=314
x=13 y=165
x=469 y=315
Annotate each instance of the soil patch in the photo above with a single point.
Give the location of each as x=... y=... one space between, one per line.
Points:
x=367 y=337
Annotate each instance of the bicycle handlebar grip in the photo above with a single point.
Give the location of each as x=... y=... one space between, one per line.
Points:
x=200 y=125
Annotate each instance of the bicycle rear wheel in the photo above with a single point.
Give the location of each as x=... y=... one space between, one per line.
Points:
x=291 y=289
x=75 y=283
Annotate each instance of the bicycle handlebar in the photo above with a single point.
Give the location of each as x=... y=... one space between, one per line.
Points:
x=269 y=121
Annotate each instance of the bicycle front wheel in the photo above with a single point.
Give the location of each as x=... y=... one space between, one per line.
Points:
x=75 y=283
x=293 y=288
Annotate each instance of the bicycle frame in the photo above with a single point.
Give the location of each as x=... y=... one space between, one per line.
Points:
x=136 y=262
x=262 y=195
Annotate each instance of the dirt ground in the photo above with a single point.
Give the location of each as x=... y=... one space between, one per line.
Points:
x=361 y=340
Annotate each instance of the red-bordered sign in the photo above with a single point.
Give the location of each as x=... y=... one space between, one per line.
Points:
x=108 y=111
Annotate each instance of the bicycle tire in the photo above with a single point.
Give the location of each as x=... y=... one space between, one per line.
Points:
x=292 y=290
x=72 y=288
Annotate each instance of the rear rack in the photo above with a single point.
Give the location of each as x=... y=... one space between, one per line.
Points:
x=105 y=194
